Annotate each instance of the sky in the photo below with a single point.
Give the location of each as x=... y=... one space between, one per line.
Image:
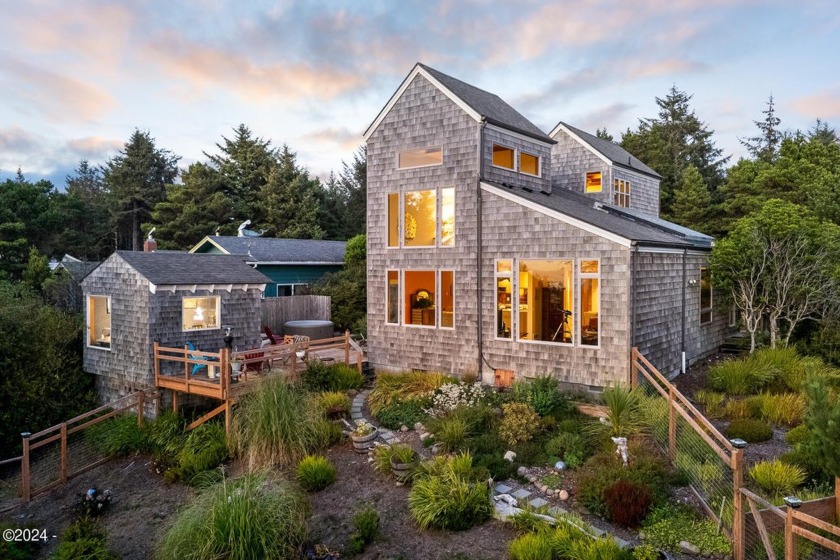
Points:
x=76 y=78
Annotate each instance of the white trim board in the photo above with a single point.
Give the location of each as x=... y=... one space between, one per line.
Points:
x=623 y=241
x=207 y=238
x=519 y=136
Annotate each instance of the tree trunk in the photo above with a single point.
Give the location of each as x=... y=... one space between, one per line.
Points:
x=752 y=341
x=136 y=241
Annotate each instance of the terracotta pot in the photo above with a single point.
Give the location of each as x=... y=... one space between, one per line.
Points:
x=402 y=471
x=363 y=444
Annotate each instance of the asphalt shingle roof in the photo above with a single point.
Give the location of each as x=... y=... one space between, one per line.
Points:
x=173 y=267
x=612 y=151
x=644 y=230
x=489 y=105
x=270 y=249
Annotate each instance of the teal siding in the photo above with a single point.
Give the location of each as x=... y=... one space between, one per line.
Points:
x=293 y=274
x=209 y=249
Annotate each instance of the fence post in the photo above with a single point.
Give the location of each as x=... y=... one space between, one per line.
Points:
x=737 y=504
x=837 y=497
x=347 y=347
x=790 y=538
x=634 y=378
x=140 y=396
x=24 y=468
x=157 y=362
x=672 y=425
x=64 y=458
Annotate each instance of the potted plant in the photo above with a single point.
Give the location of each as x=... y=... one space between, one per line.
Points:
x=403 y=461
x=235 y=367
x=363 y=436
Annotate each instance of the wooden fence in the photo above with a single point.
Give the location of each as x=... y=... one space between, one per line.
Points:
x=277 y=310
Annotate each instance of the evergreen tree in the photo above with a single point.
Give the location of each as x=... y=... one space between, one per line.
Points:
x=289 y=201
x=25 y=220
x=692 y=201
x=765 y=146
x=822 y=132
x=332 y=209
x=37 y=271
x=353 y=182
x=137 y=179
x=85 y=231
x=604 y=135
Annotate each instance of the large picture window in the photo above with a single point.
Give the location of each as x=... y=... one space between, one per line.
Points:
x=505 y=305
x=393 y=315
x=414 y=219
x=705 y=296
x=201 y=313
x=545 y=301
x=590 y=301
x=419 y=298
x=99 y=321
x=420 y=223
x=420 y=157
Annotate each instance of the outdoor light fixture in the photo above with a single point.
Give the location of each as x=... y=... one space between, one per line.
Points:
x=228 y=336
x=738 y=443
x=692 y=282
x=793 y=501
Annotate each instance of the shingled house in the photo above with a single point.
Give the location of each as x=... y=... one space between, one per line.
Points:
x=289 y=263
x=133 y=299
x=494 y=246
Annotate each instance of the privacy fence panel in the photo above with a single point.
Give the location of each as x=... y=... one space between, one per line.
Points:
x=277 y=310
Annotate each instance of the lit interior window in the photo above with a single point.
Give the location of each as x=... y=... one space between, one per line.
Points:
x=447 y=298
x=201 y=313
x=420 y=220
x=393 y=297
x=419 y=297
x=621 y=193
x=99 y=321
x=504 y=299
x=447 y=217
x=545 y=301
x=420 y=157
x=529 y=164
x=593 y=181
x=503 y=157
x=590 y=299
x=393 y=220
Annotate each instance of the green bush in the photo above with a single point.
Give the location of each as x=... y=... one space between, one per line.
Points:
x=275 y=424
x=366 y=522
x=712 y=403
x=645 y=552
x=252 y=517
x=749 y=430
x=399 y=413
x=445 y=495
x=743 y=376
x=797 y=435
x=532 y=546
x=392 y=387
x=119 y=435
x=667 y=525
x=597 y=549
x=204 y=449
x=327 y=432
x=570 y=447
x=488 y=451
x=736 y=409
x=519 y=423
x=527 y=522
x=543 y=394
x=784 y=409
x=18 y=550
x=624 y=413
x=776 y=477
x=451 y=432
x=334 y=403
x=315 y=472
x=84 y=539
x=319 y=376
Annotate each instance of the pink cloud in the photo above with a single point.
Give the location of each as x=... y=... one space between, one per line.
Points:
x=342 y=137
x=823 y=104
x=93 y=146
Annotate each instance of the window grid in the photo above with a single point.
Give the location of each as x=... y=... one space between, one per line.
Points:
x=621 y=193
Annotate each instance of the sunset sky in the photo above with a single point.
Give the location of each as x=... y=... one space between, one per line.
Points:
x=77 y=77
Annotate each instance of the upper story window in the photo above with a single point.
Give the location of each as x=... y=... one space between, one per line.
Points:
x=705 y=295
x=621 y=193
x=414 y=219
x=593 y=182
x=99 y=321
x=504 y=157
x=420 y=157
x=201 y=313
x=529 y=164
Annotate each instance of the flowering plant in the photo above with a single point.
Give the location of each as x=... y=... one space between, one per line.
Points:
x=363 y=428
x=450 y=396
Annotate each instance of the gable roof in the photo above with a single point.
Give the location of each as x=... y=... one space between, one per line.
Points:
x=76 y=268
x=270 y=250
x=172 y=268
x=479 y=104
x=601 y=219
x=609 y=150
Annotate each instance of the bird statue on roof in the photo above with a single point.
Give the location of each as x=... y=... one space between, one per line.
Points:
x=151 y=231
x=245 y=232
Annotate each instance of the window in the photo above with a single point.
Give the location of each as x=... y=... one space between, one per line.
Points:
x=99 y=321
x=529 y=164
x=419 y=298
x=394 y=220
x=733 y=317
x=590 y=301
x=420 y=157
x=420 y=223
x=621 y=193
x=393 y=305
x=705 y=296
x=593 y=182
x=447 y=299
x=447 y=217
x=201 y=313
x=545 y=301
x=503 y=157
x=288 y=289
x=504 y=299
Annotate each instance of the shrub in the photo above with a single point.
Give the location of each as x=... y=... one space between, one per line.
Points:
x=749 y=430
x=667 y=525
x=391 y=387
x=740 y=409
x=334 y=403
x=627 y=502
x=315 y=472
x=366 y=522
x=319 y=376
x=712 y=403
x=204 y=449
x=786 y=409
x=345 y=377
x=274 y=424
x=597 y=549
x=742 y=376
x=570 y=447
x=252 y=517
x=570 y=426
x=624 y=415
x=119 y=435
x=645 y=552
x=777 y=477
x=451 y=432
x=518 y=424
x=450 y=396
x=402 y=453
x=488 y=451
x=797 y=435
x=527 y=522
x=83 y=539
x=446 y=496
x=382 y=458
x=327 y=432
x=399 y=413
x=532 y=546
x=543 y=393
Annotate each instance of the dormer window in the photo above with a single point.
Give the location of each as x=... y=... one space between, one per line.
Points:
x=593 y=182
x=420 y=157
x=529 y=164
x=504 y=157
x=621 y=193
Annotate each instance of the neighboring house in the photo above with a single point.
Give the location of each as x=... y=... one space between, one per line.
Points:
x=76 y=268
x=67 y=291
x=490 y=247
x=289 y=263
x=136 y=298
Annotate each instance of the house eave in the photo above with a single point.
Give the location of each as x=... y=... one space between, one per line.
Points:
x=208 y=240
x=193 y=288
x=293 y=263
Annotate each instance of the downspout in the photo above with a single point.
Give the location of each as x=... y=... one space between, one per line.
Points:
x=684 y=254
x=634 y=255
x=479 y=253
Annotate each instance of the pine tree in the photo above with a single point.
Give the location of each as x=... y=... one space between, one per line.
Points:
x=822 y=132
x=692 y=201
x=290 y=201
x=85 y=231
x=604 y=135
x=765 y=146
x=353 y=182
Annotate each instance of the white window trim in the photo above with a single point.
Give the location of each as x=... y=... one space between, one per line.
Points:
x=539 y=164
x=438 y=220
x=294 y=285
x=399 y=296
x=439 y=234
x=580 y=277
x=513 y=319
x=218 y=313
x=87 y=321
x=601 y=190
x=711 y=306
x=439 y=297
x=515 y=168
x=615 y=192
x=399 y=168
x=571 y=344
x=402 y=299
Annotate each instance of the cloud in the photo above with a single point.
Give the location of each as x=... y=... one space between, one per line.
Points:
x=823 y=104
x=93 y=147
x=605 y=117
x=15 y=140
x=344 y=138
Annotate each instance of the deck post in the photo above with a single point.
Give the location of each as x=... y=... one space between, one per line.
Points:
x=140 y=398
x=359 y=361
x=64 y=452
x=837 y=497
x=157 y=361
x=738 y=504
x=790 y=537
x=175 y=401
x=634 y=378
x=347 y=347
x=24 y=469
x=227 y=418
x=672 y=425
x=224 y=372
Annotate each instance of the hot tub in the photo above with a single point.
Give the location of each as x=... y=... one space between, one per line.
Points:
x=315 y=330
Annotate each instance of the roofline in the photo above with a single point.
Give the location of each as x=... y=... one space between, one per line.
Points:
x=508 y=195
x=418 y=69
x=636 y=170
x=207 y=238
x=561 y=126
x=305 y=263
x=518 y=132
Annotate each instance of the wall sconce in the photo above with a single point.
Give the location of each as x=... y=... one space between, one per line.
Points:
x=692 y=282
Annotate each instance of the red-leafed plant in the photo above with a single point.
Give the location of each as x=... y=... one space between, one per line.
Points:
x=628 y=503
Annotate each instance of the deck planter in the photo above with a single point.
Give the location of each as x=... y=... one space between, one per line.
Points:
x=363 y=444
x=402 y=471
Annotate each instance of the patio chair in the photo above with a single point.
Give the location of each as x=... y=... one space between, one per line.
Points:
x=197 y=367
x=270 y=335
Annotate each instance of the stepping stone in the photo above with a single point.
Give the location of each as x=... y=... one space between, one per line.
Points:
x=598 y=532
x=557 y=511
x=621 y=542
x=521 y=494
x=356 y=416
x=538 y=503
x=503 y=489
